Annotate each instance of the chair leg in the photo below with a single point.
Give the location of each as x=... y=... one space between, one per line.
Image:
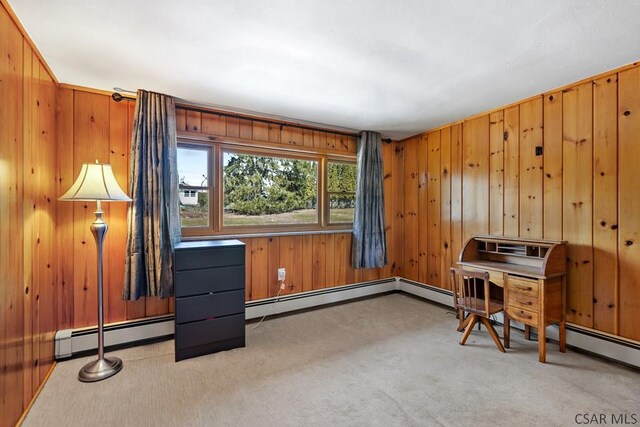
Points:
x=472 y=319
x=493 y=333
x=464 y=321
x=507 y=330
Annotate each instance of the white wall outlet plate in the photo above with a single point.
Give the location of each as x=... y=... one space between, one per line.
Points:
x=282 y=272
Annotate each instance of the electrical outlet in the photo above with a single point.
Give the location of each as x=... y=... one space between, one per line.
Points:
x=282 y=273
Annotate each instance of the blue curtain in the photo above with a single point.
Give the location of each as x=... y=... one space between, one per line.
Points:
x=153 y=222
x=369 y=237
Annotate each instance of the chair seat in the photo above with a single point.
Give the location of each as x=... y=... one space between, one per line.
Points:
x=469 y=304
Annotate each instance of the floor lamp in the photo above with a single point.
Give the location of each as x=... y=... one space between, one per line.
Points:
x=96 y=182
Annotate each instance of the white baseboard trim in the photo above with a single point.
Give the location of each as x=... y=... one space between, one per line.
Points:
x=272 y=306
x=72 y=342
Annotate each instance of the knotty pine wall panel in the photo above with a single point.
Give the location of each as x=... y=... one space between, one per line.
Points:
x=475 y=177
x=530 y=169
x=496 y=173
x=629 y=202
x=434 y=198
x=577 y=190
x=411 y=206
x=28 y=192
x=445 y=206
x=209 y=125
x=605 y=204
x=583 y=189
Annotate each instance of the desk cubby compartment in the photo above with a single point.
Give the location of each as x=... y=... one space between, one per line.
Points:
x=511 y=249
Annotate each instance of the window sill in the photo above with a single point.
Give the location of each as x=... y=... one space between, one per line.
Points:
x=265 y=234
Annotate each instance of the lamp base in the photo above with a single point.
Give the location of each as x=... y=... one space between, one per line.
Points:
x=100 y=369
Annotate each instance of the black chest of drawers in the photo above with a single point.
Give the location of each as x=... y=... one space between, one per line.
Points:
x=209 y=289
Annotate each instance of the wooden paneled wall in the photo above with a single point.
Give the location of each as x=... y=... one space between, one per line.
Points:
x=93 y=126
x=194 y=123
x=483 y=175
x=28 y=293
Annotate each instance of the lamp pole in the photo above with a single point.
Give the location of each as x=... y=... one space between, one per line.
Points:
x=103 y=367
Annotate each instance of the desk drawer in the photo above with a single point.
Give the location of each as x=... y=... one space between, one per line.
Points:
x=523 y=316
x=523 y=287
x=523 y=300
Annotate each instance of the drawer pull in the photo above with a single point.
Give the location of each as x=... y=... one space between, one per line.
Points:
x=524 y=288
x=525 y=302
x=526 y=316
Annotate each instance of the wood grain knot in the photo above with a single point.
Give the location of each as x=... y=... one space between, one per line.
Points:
x=626 y=113
x=629 y=242
x=614 y=227
x=551 y=98
x=603 y=223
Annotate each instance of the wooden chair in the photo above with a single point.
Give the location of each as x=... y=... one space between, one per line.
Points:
x=471 y=294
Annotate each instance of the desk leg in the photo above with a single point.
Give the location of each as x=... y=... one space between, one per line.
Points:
x=542 y=344
x=527 y=332
x=562 y=336
x=562 y=326
x=506 y=330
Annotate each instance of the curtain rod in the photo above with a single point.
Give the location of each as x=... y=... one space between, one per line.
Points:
x=117 y=96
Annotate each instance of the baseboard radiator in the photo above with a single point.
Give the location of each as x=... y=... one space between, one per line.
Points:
x=76 y=342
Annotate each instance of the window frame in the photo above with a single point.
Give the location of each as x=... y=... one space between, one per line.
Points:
x=202 y=230
x=216 y=158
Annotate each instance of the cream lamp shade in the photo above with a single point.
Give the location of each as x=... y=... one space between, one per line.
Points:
x=96 y=182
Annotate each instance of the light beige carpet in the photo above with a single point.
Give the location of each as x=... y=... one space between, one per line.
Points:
x=391 y=360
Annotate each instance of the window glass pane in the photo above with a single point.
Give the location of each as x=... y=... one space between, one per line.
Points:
x=265 y=190
x=341 y=185
x=341 y=207
x=193 y=172
x=341 y=177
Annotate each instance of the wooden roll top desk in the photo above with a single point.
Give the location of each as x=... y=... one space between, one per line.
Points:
x=533 y=276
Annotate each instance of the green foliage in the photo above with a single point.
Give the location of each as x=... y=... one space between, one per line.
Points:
x=342 y=182
x=203 y=199
x=258 y=185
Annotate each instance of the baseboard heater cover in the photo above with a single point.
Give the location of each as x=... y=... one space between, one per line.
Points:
x=72 y=342
x=75 y=342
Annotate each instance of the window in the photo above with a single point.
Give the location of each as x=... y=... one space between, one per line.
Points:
x=268 y=190
x=194 y=189
x=229 y=187
x=341 y=190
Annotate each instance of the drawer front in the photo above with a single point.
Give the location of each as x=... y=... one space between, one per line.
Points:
x=190 y=259
x=522 y=286
x=190 y=309
x=523 y=300
x=209 y=331
x=198 y=282
x=523 y=316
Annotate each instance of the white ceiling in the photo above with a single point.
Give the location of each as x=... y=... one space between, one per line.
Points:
x=398 y=67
